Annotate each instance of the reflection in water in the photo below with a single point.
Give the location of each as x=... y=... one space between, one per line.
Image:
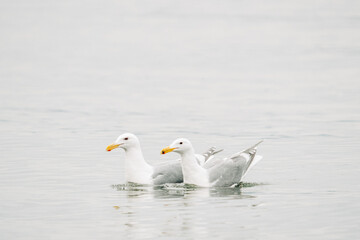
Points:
x=182 y=190
x=182 y=207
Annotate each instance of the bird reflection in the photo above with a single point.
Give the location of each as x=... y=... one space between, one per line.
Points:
x=147 y=211
x=182 y=190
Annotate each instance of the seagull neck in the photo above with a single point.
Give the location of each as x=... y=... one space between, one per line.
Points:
x=137 y=169
x=192 y=171
x=189 y=161
x=134 y=156
x=189 y=156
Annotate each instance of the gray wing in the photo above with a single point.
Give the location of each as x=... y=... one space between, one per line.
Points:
x=250 y=155
x=202 y=159
x=170 y=172
x=210 y=153
x=230 y=171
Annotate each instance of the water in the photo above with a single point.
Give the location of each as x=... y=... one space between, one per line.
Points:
x=76 y=74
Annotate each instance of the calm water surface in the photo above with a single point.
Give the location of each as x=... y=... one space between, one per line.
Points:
x=76 y=74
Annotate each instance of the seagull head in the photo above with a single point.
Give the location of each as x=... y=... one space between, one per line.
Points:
x=180 y=145
x=124 y=141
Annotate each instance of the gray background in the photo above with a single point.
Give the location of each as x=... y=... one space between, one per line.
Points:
x=76 y=74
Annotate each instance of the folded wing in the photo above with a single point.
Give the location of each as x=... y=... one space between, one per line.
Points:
x=229 y=171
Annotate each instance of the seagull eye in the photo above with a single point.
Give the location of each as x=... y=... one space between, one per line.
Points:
x=126 y=138
x=181 y=142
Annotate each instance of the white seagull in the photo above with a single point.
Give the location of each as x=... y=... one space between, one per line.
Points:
x=140 y=172
x=225 y=172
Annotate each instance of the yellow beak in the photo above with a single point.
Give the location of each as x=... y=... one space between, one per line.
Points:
x=112 y=146
x=167 y=150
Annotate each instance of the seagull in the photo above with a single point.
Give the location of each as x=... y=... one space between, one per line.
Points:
x=140 y=172
x=215 y=172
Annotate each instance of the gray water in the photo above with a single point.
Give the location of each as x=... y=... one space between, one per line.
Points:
x=76 y=74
